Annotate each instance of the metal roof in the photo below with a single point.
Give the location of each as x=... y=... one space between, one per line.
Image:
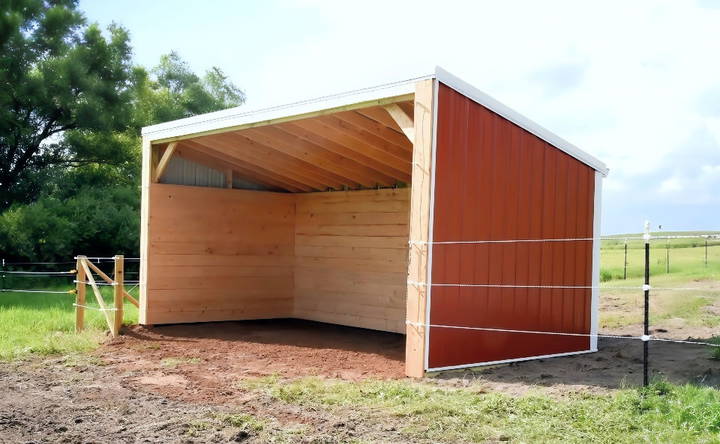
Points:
x=239 y=116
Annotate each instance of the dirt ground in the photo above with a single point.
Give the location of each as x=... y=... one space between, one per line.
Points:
x=180 y=383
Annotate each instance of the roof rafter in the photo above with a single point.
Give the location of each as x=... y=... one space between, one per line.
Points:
x=384 y=162
x=273 y=159
x=251 y=169
x=194 y=155
x=302 y=150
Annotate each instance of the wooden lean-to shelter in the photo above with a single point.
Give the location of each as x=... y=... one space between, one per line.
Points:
x=396 y=208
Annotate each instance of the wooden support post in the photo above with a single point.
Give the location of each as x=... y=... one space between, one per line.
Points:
x=404 y=121
x=119 y=293
x=164 y=161
x=98 y=295
x=421 y=191
x=79 y=296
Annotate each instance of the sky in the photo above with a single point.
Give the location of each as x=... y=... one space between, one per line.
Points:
x=636 y=84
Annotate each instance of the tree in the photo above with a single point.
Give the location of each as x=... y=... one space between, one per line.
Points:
x=57 y=74
x=71 y=109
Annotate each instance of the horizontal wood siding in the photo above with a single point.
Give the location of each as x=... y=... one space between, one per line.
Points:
x=351 y=257
x=496 y=181
x=219 y=254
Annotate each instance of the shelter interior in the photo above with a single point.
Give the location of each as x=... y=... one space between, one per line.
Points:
x=305 y=217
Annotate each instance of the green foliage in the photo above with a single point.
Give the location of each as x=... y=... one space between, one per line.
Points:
x=58 y=75
x=172 y=91
x=95 y=221
x=665 y=412
x=44 y=324
x=71 y=109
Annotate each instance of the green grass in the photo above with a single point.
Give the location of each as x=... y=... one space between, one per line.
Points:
x=44 y=324
x=661 y=413
x=688 y=262
x=672 y=309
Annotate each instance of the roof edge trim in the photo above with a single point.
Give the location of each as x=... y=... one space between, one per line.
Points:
x=237 y=117
x=518 y=119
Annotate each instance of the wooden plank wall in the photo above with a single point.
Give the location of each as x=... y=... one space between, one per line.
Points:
x=351 y=253
x=219 y=254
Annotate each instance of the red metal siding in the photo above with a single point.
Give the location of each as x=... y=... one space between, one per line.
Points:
x=496 y=181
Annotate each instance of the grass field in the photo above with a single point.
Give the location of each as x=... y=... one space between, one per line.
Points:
x=36 y=323
x=661 y=413
x=688 y=312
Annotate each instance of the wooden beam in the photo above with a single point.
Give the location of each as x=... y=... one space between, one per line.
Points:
x=386 y=163
x=145 y=212
x=131 y=299
x=164 y=161
x=379 y=114
x=253 y=154
x=378 y=130
x=250 y=169
x=420 y=210
x=79 y=297
x=381 y=174
x=404 y=121
x=118 y=288
x=400 y=156
x=194 y=155
x=286 y=153
x=98 y=296
x=347 y=171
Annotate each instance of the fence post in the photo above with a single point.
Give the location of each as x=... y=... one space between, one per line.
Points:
x=79 y=295
x=118 y=294
x=2 y=271
x=667 y=256
x=705 y=252
x=646 y=319
x=625 y=262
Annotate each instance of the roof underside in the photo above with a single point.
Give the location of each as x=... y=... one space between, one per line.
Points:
x=356 y=140
x=354 y=149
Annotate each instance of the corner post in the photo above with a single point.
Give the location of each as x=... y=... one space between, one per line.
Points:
x=418 y=288
x=118 y=294
x=147 y=171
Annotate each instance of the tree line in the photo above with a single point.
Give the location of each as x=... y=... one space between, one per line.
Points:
x=72 y=103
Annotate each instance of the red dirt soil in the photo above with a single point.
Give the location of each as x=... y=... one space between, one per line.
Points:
x=204 y=362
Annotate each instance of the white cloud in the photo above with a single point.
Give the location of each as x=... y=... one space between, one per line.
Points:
x=634 y=83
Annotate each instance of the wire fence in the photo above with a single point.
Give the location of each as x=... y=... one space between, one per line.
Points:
x=654 y=258
x=623 y=258
x=42 y=277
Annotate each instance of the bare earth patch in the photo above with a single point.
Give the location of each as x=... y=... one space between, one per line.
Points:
x=182 y=383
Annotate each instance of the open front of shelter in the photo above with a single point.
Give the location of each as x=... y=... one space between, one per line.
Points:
x=423 y=207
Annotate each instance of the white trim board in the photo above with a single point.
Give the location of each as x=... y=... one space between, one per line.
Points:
x=238 y=116
x=595 y=292
x=507 y=361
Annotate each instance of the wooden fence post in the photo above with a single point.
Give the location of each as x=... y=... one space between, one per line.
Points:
x=119 y=295
x=79 y=295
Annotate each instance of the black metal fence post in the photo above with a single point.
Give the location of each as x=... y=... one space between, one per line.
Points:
x=706 y=251
x=646 y=320
x=625 y=262
x=2 y=276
